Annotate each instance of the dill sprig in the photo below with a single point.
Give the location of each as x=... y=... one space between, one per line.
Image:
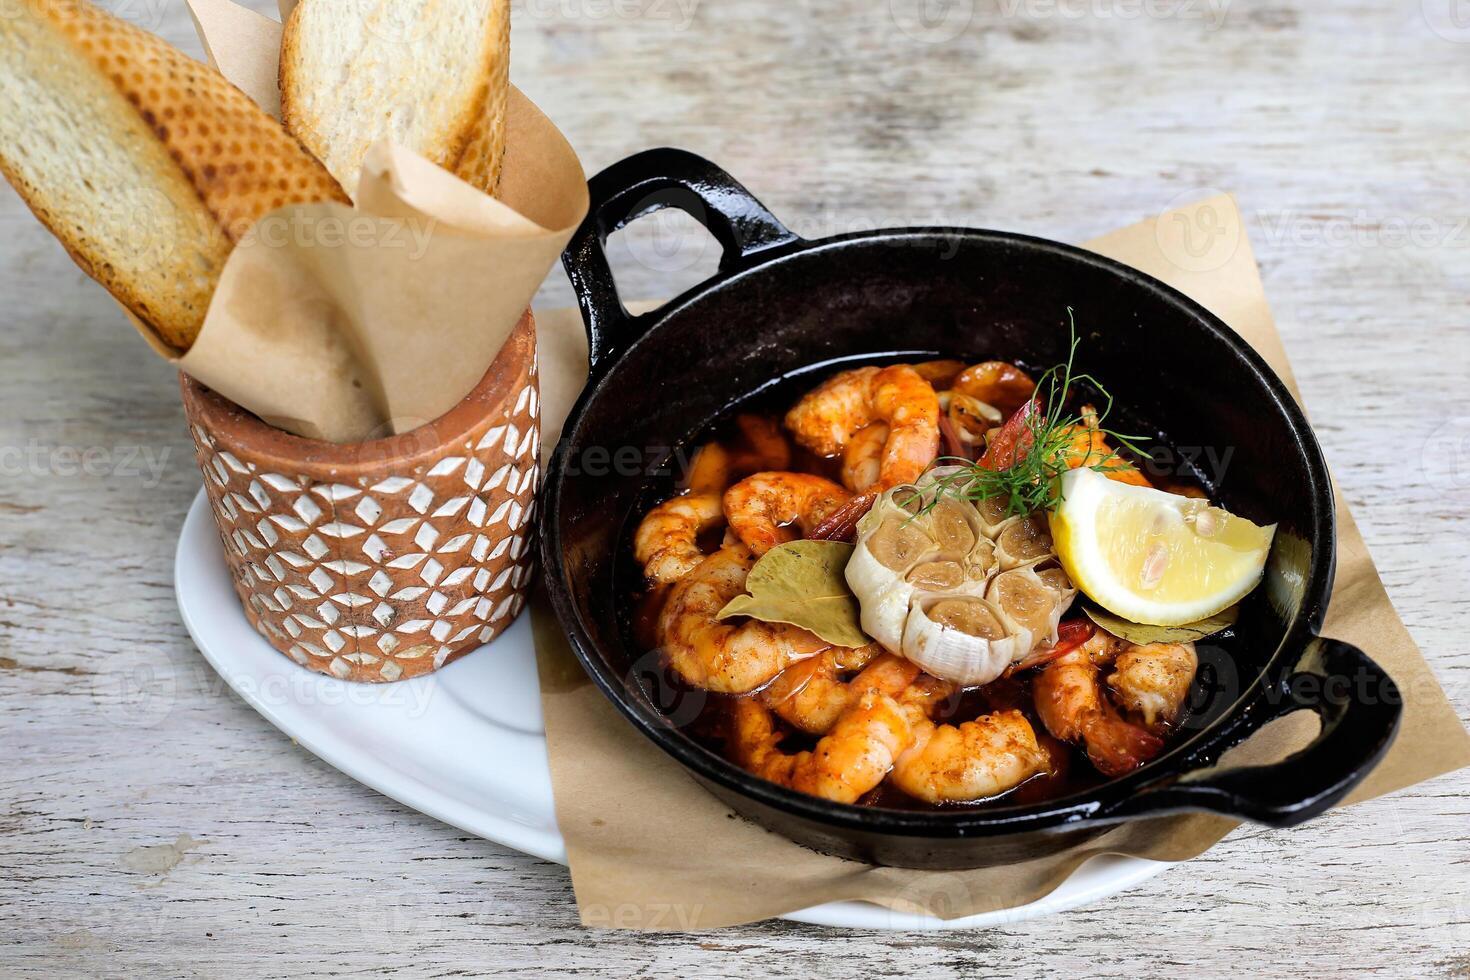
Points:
x=1031 y=479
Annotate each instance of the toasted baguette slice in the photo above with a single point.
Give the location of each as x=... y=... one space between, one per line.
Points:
x=146 y=164
x=432 y=75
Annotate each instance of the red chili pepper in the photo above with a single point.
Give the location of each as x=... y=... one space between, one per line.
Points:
x=1070 y=635
x=1014 y=440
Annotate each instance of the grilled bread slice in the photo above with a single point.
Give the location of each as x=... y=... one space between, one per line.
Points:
x=146 y=164
x=432 y=75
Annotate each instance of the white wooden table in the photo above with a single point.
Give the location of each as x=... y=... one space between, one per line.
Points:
x=1340 y=126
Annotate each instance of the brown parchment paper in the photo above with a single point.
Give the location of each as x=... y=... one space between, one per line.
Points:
x=349 y=323
x=650 y=849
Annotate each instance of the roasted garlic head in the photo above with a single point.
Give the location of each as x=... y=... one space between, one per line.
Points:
x=961 y=590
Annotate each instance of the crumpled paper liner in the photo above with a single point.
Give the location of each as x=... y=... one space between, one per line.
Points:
x=353 y=323
x=650 y=849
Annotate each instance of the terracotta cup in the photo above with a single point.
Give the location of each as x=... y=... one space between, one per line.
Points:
x=381 y=560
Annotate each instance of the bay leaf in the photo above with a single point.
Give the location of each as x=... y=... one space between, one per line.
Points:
x=802 y=583
x=1143 y=633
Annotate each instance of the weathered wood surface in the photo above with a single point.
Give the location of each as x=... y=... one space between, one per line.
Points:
x=1340 y=128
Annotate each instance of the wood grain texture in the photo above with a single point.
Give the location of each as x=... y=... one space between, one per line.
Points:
x=1339 y=128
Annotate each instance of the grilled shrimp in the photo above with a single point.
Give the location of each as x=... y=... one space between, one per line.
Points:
x=1153 y=680
x=762 y=508
x=863 y=458
x=1001 y=385
x=764 y=443
x=828 y=417
x=726 y=657
x=1073 y=707
x=762 y=446
x=811 y=695
x=940 y=374
x=666 y=543
x=969 y=761
x=1090 y=448
x=711 y=469
x=829 y=414
x=847 y=762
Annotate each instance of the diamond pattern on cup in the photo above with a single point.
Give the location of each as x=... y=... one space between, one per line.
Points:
x=392 y=576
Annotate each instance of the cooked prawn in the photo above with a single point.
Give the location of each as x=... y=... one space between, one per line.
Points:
x=828 y=418
x=969 y=761
x=1153 y=680
x=711 y=469
x=831 y=414
x=762 y=508
x=726 y=657
x=863 y=458
x=1090 y=448
x=969 y=421
x=940 y=374
x=812 y=695
x=1071 y=704
x=999 y=384
x=762 y=446
x=850 y=760
x=666 y=543
x=765 y=444
x=828 y=415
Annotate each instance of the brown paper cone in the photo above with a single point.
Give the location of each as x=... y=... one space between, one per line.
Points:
x=349 y=323
x=650 y=849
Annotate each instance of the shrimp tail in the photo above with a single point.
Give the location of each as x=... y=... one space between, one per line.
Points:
x=1117 y=746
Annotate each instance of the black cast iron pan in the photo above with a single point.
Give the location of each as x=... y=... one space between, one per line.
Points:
x=780 y=306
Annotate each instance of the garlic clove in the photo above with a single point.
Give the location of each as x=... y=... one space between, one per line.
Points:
x=954 y=525
x=937 y=573
x=1027 y=602
x=1023 y=540
x=890 y=541
x=962 y=639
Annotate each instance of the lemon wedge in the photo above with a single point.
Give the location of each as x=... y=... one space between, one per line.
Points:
x=1154 y=557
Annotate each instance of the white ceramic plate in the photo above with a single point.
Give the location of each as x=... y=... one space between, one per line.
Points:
x=465 y=744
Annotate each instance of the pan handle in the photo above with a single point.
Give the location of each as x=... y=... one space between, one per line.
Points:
x=642 y=184
x=1359 y=706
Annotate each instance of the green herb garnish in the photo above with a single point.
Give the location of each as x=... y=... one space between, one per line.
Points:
x=1043 y=447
